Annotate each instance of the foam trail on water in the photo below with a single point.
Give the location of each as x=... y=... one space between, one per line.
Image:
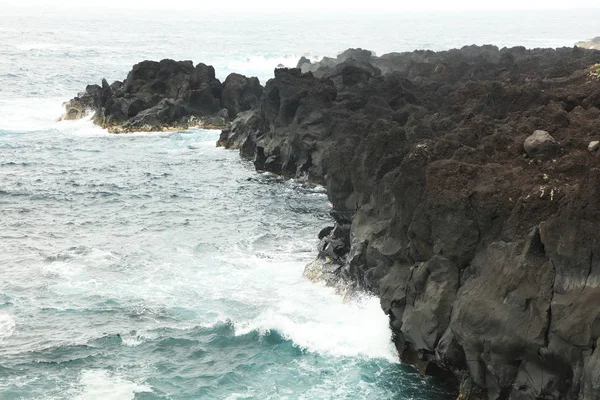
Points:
x=100 y=385
x=7 y=326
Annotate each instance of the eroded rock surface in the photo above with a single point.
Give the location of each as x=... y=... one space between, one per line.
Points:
x=485 y=252
x=166 y=95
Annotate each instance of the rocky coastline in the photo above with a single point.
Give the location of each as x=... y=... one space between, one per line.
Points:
x=465 y=191
x=465 y=187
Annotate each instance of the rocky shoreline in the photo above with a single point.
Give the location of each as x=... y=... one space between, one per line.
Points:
x=465 y=188
x=477 y=234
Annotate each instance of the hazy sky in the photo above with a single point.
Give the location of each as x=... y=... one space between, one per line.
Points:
x=307 y=4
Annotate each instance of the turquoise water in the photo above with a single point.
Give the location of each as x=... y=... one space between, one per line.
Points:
x=157 y=266
x=161 y=266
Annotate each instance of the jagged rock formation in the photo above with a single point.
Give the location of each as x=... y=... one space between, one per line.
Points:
x=166 y=95
x=485 y=256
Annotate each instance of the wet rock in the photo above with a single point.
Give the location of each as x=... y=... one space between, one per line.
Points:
x=83 y=104
x=325 y=232
x=335 y=243
x=323 y=270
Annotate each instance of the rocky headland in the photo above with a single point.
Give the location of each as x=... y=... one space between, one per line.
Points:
x=465 y=187
x=166 y=95
x=466 y=192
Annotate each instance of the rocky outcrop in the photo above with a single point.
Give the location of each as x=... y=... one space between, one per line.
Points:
x=481 y=241
x=240 y=93
x=166 y=95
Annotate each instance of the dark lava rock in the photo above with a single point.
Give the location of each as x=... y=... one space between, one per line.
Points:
x=486 y=261
x=166 y=95
x=240 y=93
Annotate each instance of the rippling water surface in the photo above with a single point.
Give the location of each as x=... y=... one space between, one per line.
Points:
x=160 y=265
x=157 y=266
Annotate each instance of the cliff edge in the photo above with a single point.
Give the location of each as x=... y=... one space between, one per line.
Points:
x=466 y=192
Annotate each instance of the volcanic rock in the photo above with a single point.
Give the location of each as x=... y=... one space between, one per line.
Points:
x=166 y=95
x=486 y=261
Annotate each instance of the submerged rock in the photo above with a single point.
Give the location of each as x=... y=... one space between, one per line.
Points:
x=166 y=95
x=485 y=261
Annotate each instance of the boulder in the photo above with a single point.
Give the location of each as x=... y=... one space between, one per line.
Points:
x=541 y=144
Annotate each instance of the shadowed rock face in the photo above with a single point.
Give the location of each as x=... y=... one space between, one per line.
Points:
x=165 y=95
x=484 y=250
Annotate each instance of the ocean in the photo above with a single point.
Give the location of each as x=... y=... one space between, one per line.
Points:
x=157 y=266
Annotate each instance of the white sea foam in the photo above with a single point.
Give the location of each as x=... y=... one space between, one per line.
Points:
x=7 y=326
x=60 y=269
x=320 y=321
x=262 y=66
x=82 y=127
x=24 y=115
x=101 y=385
x=132 y=340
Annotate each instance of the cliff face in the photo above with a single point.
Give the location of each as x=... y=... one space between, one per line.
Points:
x=480 y=237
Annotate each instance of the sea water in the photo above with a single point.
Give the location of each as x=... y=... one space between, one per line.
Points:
x=157 y=266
